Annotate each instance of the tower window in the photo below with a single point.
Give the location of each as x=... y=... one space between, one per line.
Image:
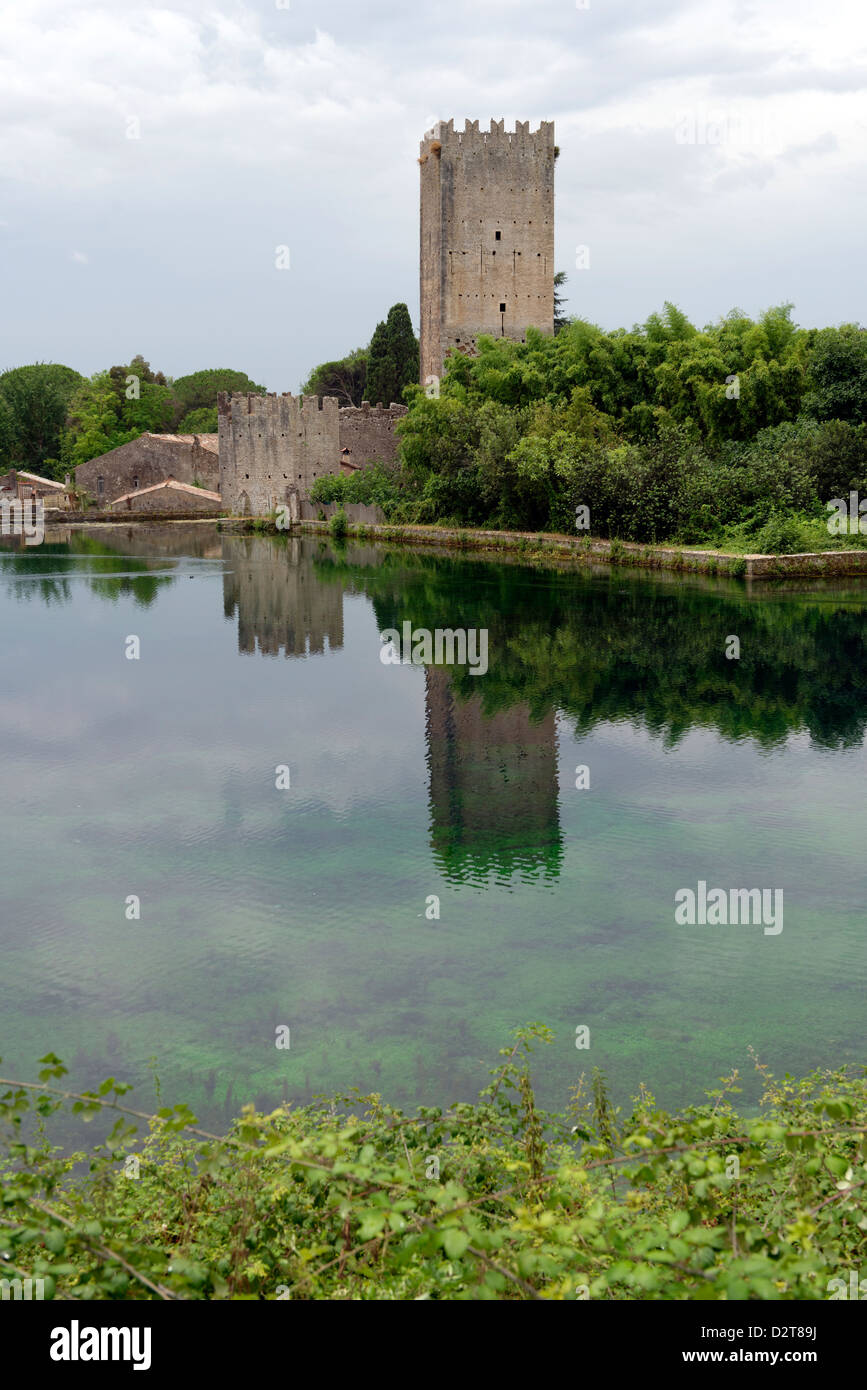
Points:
x=498 y=236
x=502 y=308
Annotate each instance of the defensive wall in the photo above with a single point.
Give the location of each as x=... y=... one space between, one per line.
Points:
x=273 y=445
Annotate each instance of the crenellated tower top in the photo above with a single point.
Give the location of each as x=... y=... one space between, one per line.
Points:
x=487 y=236
x=443 y=135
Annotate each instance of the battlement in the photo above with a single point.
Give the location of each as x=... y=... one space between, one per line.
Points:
x=443 y=137
x=237 y=403
x=393 y=411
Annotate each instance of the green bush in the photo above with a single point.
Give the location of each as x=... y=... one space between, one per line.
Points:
x=378 y=485
x=339 y=525
x=203 y=420
x=352 y=1199
x=781 y=535
x=667 y=433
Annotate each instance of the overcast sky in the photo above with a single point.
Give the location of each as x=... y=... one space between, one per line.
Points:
x=153 y=157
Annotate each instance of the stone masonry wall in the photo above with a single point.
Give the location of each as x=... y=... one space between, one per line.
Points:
x=272 y=444
x=269 y=444
x=487 y=236
x=368 y=432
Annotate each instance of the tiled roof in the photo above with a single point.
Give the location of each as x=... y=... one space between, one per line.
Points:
x=43 y=482
x=175 y=486
x=207 y=441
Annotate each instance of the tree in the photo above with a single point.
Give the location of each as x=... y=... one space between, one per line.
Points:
x=153 y=410
x=202 y=421
x=140 y=370
x=94 y=424
x=199 y=390
x=7 y=433
x=837 y=375
x=393 y=361
x=117 y=406
x=381 y=368
x=34 y=402
x=110 y=410
x=560 y=319
x=345 y=378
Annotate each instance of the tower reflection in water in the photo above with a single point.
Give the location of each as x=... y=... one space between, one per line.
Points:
x=493 y=786
x=280 y=603
x=493 y=792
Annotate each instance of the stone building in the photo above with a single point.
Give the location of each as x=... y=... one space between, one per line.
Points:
x=487 y=236
x=169 y=497
x=273 y=445
x=27 y=486
x=152 y=458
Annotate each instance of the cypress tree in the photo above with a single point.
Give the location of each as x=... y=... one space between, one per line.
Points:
x=393 y=357
x=381 y=370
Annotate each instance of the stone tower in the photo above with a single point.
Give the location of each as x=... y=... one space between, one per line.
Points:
x=487 y=236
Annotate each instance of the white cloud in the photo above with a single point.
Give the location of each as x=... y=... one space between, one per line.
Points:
x=258 y=126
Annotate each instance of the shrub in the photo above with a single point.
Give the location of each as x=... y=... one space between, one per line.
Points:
x=378 y=485
x=339 y=1200
x=781 y=534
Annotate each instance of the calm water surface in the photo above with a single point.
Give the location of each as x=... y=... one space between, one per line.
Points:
x=306 y=906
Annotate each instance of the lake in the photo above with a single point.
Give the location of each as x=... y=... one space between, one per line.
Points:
x=409 y=790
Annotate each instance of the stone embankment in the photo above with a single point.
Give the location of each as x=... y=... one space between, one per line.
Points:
x=821 y=564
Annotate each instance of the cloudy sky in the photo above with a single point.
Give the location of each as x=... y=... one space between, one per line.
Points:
x=153 y=157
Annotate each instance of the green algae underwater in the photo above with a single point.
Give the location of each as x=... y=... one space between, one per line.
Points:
x=310 y=906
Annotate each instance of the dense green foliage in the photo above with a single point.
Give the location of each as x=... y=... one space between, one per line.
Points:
x=745 y=430
x=200 y=421
x=114 y=407
x=345 y=378
x=33 y=406
x=393 y=361
x=52 y=419
x=199 y=390
x=339 y=525
x=837 y=378
x=353 y=1199
x=119 y=405
x=378 y=486
x=560 y=318
x=378 y=372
